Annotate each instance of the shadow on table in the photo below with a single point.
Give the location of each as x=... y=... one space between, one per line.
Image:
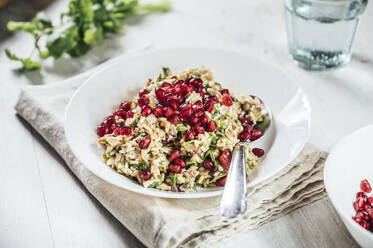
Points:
x=123 y=233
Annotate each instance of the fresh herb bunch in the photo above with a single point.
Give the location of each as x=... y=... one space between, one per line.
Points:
x=85 y=24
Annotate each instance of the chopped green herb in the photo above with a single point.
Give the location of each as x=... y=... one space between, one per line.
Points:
x=160 y=78
x=181 y=128
x=218 y=177
x=216 y=115
x=107 y=154
x=190 y=163
x=142 y=166
x=155 y=184
x=102 y=142
x=189 y=142
x=173 y=178
x=166 y=71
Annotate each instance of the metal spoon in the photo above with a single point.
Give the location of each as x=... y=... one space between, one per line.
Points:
x=233 y=201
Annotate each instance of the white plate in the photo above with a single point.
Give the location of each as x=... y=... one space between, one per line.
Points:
x=349 y=163
x=106 y=89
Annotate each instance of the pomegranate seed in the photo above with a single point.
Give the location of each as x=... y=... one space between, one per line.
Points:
x=173 y=105
x=144 y=143
x=180 y=162
x=197 y=106
x=160 y=94
x=193 y=119
x=361 y=195
x=196 y=82
x=204 y=120
x=370 y=213
x=146 y=110
x=244 y=135
x=370 y=201
x=180 y=100
x=100 y=131
x=185 y=89
x=198 y=114
x=360 y=203
x=113 y=126
x=227 y=100
x=367 y=207
x=359 y=216
x=166 y=85
x=125 y=106
x=209 y=106
x=116 y=131
x=179 y=83
x=189 y=135
x=356 y=207
x=121 y=114
x=145 y=174
x=198 y=129
x=158 y=111
x=143 y=101
x=213 y=99
x=130 y=114
x=208 y=164
x=125 y=131
x=143 y=92
x=225 y=159
x=224 y=91
x=185 y=106
x=211 y=126
x=176 y=89
x=186 y=113
x=174 y=155
x=365 y=186
x=258 y=152
x=221 y=181
x=175 y=120
x=168 y=90
x=109 y=121
x=175 y=168
x=244 y=122
x=170 y=97
x=255 y=134
x=168 y=112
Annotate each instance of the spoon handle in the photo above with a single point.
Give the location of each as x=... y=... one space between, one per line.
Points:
x=233 y=201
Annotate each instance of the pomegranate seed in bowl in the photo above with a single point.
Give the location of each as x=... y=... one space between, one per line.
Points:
x=363 y=206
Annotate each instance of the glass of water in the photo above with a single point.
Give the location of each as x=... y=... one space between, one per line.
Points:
x=321 y=32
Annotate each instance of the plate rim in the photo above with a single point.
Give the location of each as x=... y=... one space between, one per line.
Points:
x=181 y=195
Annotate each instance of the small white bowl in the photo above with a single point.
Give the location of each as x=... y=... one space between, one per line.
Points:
x=349 y=163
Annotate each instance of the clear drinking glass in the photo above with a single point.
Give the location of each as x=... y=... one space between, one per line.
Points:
x=321 y=32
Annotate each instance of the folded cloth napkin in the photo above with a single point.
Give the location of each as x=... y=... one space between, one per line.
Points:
x=158 y=222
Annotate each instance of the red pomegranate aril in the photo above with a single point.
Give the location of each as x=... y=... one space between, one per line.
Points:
x=116 y=131
x=244 y=135
x=197 y=106
x=170 y=97
x=209 y=106
x=361 y=195
x=165 y=84
x=356 y=207
x=227 y=100
x=180 y=162
x=244 y=122
x=359 y=216
x=255 y=134
x=173 y=104
x=370 y=201
x=258 y=152
x=189 y=135
x=108 y=130
x=211 y=126
x=213 y=99
x=360 y=203
x=125 y=131
x=185 y=106
x=193 y=119
x=125 y=106
x=367 y=207
x=208 y=164
x=145 y=142
x=180 y=100
x=101 y=131
x=365 y=186
x=146 y=110
x=145 y=174
x=176 y=89
x=158 y=111
x=204 y=120
x=221 y=181
x=370 y=213
x=174 y=155
x=160 y=94
x=175 y=120
x=198 y=114
x=185 y=89
x=143 y=101
x=202 y=94
x=168 y=112
x=130 y=114
x=175 y=168
x=109 y=121
x=185 y=113
x=225 y=159
x=196 y=82
x=143 y=92
x=121 y=114
x=224 y=91
x=198 y=129
x=179 y=83
x=113 y=126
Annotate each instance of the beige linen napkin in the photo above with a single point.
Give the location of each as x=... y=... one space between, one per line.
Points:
x=160 y=222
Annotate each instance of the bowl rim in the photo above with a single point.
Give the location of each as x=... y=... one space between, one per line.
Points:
x=181 y=195
x=341 y=213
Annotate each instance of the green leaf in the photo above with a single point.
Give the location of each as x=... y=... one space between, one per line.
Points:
x=27 y=63
x=155 y=184
x=94 y=35
x=181 y=128
x=173 y=178
x=25 y=26
x=142 y=166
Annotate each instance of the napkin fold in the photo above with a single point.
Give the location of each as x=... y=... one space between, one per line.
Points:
x=158 y=222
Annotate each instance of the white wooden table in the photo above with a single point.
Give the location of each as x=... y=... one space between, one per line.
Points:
x=42 y=204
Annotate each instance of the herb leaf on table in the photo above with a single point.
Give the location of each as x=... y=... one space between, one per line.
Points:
x=87 y=23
